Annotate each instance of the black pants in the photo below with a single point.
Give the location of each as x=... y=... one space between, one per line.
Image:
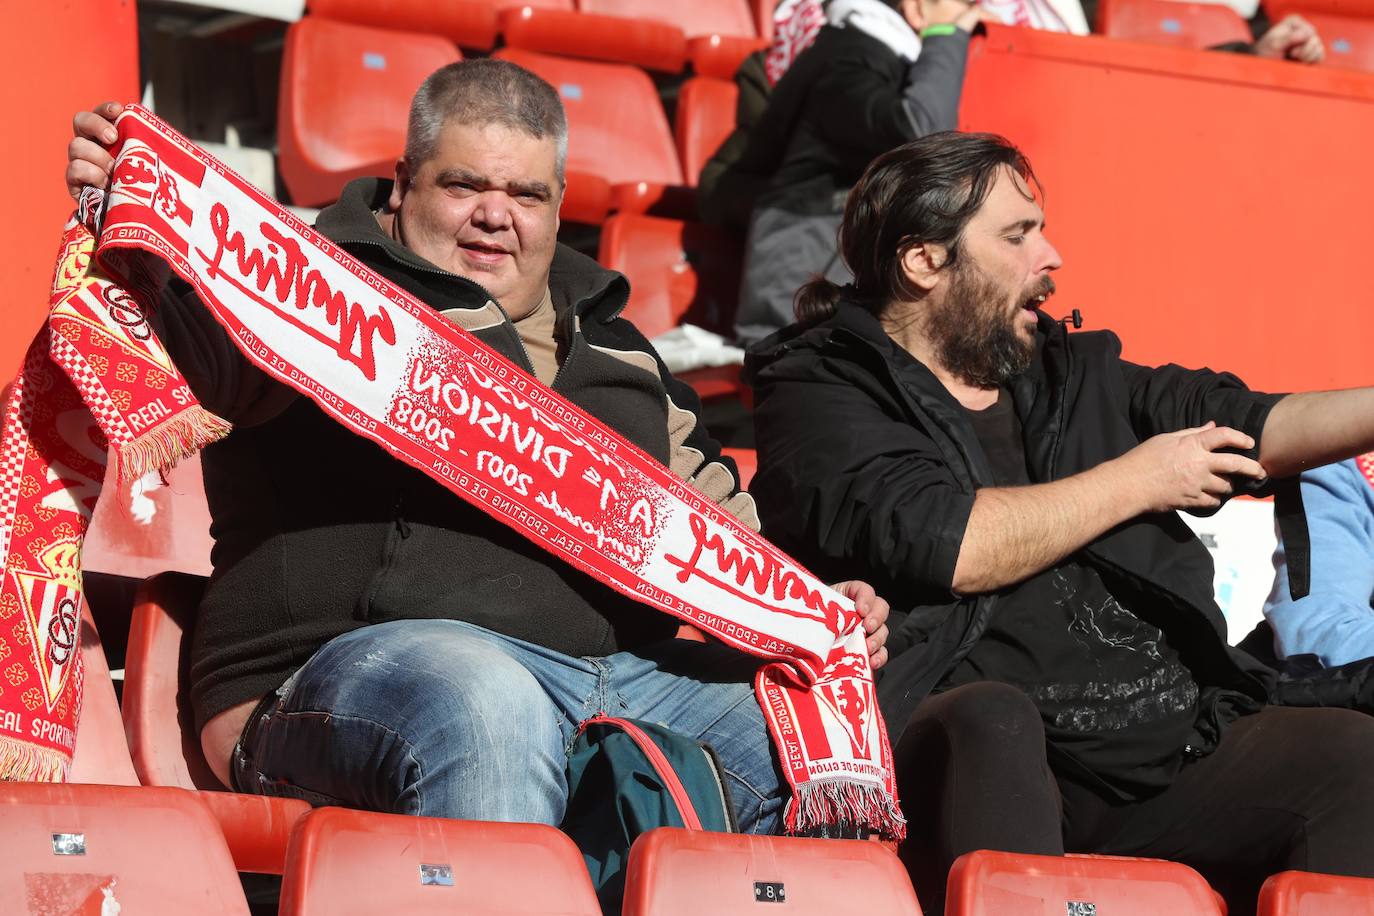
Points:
x=1287 y=788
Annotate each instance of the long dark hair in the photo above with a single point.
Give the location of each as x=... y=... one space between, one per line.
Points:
x=923 y=192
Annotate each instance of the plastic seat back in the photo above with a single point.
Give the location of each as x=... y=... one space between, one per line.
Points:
x=1168 y=22
x=616 y=126
x=701 y=17
x=77 y=849
x=345 y=97
x=160 y=725
x=101 y=754
x=675 y=872
x=705 y=118
x=678 y=272
x=985 y=883
x=1300 y=893
x=157 y=713
x=470 y=23
x=345 y=862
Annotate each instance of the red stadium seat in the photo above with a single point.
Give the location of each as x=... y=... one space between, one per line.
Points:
x=678 y=272
x=675 y=872
x=101 y=754
x=345 y=95
x=1168 y=22
x=78 y=849
x=346 y=862
x=161 y=730
x=763 y=18
x=1300 y=893
x=719 y=56
x=699 y=17
x=640 y=42
x=1349 y=40
x=747 y=460
x=705 y=117
x=470 y=23
x=616 y=127
x=985 y=883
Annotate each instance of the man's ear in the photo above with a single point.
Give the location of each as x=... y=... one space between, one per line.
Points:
x=402 y=185
x=922 y=263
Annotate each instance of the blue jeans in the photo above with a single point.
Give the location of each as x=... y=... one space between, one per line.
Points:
x=445 y=719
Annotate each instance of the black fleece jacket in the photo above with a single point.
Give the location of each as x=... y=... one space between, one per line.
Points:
x=868 y=469
x=318 y=531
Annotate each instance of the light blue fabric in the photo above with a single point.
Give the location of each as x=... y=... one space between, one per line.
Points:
x=1336 y=621
x=445 y=719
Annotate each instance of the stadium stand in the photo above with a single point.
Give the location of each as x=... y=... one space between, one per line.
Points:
x=675 y=872
x=679 y=273
x=162 y=738
x=698 y=18
x=349 y=69
x=1300 y=893
x=101 y=755
x=705 y=117
x=469 y=23
x=355 y=862
x=638 y=42
x=345 y=93
x=988 y=883
x=1170 y=22
x=112 y=849
x=747 y=460
x=601 y=99
x=719 y=56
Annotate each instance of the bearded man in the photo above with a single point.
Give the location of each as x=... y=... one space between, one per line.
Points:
x=1059 y=675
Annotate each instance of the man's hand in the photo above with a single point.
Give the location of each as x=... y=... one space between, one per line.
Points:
x=1185 y=469
x=1292 y=38
x=873 y=611
x=87 y=161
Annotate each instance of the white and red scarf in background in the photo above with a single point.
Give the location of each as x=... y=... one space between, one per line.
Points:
x=390 y=369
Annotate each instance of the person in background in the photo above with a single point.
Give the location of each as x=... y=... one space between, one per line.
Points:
x=1335 y=620
x=878 y=75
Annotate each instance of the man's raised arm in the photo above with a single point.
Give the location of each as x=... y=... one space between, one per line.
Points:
x=1315 y=428
x=1015 y=532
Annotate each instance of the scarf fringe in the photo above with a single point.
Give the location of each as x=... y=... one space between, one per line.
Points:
x=160 y=449
x=837 y=806
x=21 y=761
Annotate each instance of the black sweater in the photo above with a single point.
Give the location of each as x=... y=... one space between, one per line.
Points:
x=318 y=531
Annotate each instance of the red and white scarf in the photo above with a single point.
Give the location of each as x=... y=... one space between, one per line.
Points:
x=390 y=369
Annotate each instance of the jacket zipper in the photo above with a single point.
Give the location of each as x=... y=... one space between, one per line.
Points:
x=676 y=790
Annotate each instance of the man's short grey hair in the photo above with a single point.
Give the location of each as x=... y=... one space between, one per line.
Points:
x=480 y=92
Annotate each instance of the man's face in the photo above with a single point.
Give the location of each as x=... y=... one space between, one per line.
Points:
x=485 y=207
x=983 y=327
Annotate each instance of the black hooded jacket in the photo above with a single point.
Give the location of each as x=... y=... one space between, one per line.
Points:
x=868 y=468
x=318 y=531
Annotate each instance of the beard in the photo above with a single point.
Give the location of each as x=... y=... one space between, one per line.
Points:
x=974 y=337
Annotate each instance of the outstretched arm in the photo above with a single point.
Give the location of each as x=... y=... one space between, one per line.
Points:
x=1308 y=430
x=1015 y=532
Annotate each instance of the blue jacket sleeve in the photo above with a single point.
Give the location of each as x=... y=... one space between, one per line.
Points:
x=1336 y=620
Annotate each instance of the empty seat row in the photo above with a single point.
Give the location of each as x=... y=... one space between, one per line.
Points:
x=661 y=36
x=155 y=851
x=346 y=91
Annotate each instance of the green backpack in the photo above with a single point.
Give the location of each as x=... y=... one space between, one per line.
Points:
x=626 y=777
